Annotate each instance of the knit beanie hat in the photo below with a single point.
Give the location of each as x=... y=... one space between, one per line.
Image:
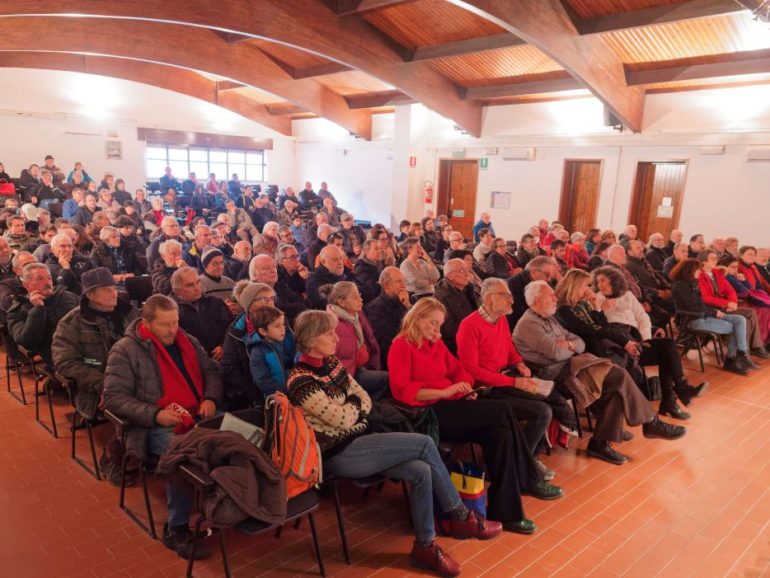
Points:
x=209 y=253
x=245 y=296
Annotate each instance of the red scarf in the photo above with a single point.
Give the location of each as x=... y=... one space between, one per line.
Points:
x=753 y=276
x=176 y=388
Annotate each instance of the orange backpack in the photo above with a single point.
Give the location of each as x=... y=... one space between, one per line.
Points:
x=291 y=443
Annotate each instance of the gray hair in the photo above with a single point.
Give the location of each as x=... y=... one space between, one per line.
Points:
x=58 y=238
x=452 y=265
x=310 y=325
x=166 y=245
x=410 y=242
x=15 y=260
x=489 y=285
x=323 y=227
x=577 y=236
x=386 y=274
x=540 y=263
x=532 y=291
x=340 y=290
x=280 y=252
x=29 y=268
x=167 y=220
x=176 y=278
x=269 y=226
x=108 y=232
x=253 y=264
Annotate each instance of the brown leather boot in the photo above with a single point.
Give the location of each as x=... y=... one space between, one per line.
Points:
x=435 y=559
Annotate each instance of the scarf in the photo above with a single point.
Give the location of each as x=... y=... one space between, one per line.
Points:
x=345 y=316
x=177 y=390
x=582 y=310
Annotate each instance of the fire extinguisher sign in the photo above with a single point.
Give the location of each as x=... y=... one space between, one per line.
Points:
x=412 y=162
x=428 y=192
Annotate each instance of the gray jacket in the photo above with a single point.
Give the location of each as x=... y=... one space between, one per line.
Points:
x=132 y=384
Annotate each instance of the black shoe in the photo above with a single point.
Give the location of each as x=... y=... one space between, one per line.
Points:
x=545 y=491
x=627 y=436
x=179 y=539
x=524 y=526
x=660 y=429
x=687 y=392
x=603 y=451
x=732 y=365
x=760 y=352
x=671 y=408
x=746 y=361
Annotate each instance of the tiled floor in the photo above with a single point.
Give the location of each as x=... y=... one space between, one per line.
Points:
x=699 y=506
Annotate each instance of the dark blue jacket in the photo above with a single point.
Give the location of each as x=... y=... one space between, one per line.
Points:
x=270 y=362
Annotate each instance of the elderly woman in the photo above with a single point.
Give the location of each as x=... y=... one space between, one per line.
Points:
x=65 y=265
x=615 y=319
x=337 y=408
x=357 y=348
x=687 y=297
x=418 y=268
x=423 y=372
x=157 y=211
x=109 y=253
x=170 y=260
x=240 y=391
x=498 y=262
x=577 y=256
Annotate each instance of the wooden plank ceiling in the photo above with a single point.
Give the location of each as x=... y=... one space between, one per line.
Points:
x=454 y=56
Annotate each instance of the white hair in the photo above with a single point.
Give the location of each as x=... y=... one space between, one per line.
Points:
x=532 y=291
x=166 y=245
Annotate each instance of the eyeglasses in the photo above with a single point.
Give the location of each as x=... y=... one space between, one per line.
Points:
x=291 y=257
x=265 y=299
x=503 y=293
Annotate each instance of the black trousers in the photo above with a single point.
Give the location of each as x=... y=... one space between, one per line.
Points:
x=662 y=352
x=536 y=413
x=510 y=466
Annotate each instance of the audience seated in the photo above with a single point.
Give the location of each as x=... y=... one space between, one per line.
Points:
x=543 y=342
x=194 y=252
x=290 y=288
x=577 y=256
x=110 y=253
x=213 y=280
x=16 y=234
x=204 y=317
x=386 y=311
x=458 y=296
x=456 y=243
x=697 y=244
x=368 y=268
x=271 y=351
x=498 y=262
x=337 y=408
x=169 y=229
x=65 y=265
x=237 y=266
x=630 y=233
x=161 y=380
x=484 y=222
x=308 y=198
x=314 y=249
x=656 y=252
x=84 y=337
x=170 y=260
x=483 y=246
x=331 y=269
x=6 y=260
x=538 y=269
x=419 y=271
x=33 y=316
x=687 y=297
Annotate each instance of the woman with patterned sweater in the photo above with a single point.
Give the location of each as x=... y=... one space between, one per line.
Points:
x=337 y=407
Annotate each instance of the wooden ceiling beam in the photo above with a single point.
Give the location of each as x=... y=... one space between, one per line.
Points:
x=231 y=37
x=166 y=77
x=347 y=7
x=223 y=85
x=281 y=108
x=547 y=25
x=376 y=99
x=174 y=45
x=304 y=24
x=736 y=64
x=521 y=88
x=461 y=47
x=689 y=10
x=330 y=67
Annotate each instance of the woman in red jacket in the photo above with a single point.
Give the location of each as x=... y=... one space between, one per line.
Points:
x=718 y=292
x=423 y=372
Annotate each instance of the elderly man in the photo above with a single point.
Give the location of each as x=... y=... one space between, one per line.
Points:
x=308 y=198
x=351 y=234
x=16 y=235
x=170 y=260
x=291 y=286
x=330 y=270
x=654 y=285
x=368 y=269
x=324 y=193
x=85 y=212
x=46 y=192
x=268 y=241
x=656 y=252
x=554 y=353
x=83 y=338
x=198 y=246
x=288 y=195
x=484 y=246
x=213 y=280
x=11 y=286
x=66 y=267
x=107 y=203
x=160 y=379
x=204 y=317
x=288 y=212
x=537 y=269
x=386 y=311
x=485 y=350
x=456 y=243
x=457 y=294
x=237 y=266
x=6 y=260
x=169 y=229
x=484 y=222
x=674 y=239
x=333 y=213
x=34 y=315
x=630 y=233
x=321 y=240
x=238 y=220
x=262 y=212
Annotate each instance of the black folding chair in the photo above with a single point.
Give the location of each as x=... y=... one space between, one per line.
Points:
x=139 y=288
x=14 y=359
x=691 y=338
x=45 y=377
x=80 y=422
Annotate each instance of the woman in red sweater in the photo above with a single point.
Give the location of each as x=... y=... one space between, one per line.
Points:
x=423 y=372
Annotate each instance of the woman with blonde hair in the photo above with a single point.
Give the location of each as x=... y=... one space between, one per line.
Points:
x=423 y=372
x=337 y=408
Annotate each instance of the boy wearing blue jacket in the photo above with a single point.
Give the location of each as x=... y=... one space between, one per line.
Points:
x=271 y=351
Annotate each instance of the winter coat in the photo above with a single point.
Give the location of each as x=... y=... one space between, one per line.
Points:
x=133 y=385
x=687 y=297
x=161 y=277
x=459 y=304
x=81 y=346
x=385 y=315
x=271 y=362
x=119 y=261
x=317 y=279
x=656 y=257
x=69 y=278
x=498 y=266
x=347 y=346
x=368 y=279
x=288 y=293
x=239 y=391
x=724 y=294
x=248 y=484
x=33 y=327
x=207 y=319
x=84 y=216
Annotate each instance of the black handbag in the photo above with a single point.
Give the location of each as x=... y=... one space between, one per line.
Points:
x=651 y=388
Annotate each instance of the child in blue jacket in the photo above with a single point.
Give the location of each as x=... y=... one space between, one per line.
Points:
x=271 y=351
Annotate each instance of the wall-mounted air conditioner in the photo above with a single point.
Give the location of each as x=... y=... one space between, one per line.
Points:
x=519 y=154
x=712 y=150
x=475 y=152
x=758 y=154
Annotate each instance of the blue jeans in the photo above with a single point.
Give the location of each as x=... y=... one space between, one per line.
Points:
x=178 y=501
x=409 y=457
x=734 y=326
x=376 y=383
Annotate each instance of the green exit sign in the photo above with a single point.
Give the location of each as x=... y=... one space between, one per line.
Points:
x=458 y=154
x=484 y=163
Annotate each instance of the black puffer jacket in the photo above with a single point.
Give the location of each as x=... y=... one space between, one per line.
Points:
x=239 y=392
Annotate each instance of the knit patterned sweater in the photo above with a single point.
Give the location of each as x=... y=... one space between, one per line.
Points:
x=334 y=404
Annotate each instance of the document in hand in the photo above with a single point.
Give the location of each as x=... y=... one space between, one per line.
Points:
x=544 y=387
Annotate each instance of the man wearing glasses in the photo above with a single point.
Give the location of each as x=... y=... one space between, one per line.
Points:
x=291 y=287
x=170 y=229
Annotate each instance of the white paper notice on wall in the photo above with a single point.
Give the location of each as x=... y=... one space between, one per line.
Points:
x=665 y=212
x=500 y=200
x=665 y=201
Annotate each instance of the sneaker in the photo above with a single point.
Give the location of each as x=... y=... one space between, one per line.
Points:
x=602 y=450
x=474 y=526
x=660 y=429
x=179 y=539
x=433 y=558
x=547 y=473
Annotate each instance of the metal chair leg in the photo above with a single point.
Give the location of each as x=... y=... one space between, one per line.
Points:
x=52 y=429
x=148 y=505
x=90 y=432
x=316 y=544
x=700 y=353
x=49 y=395
x=341 y=523
x=194 y=545
x=223 y=547
x=577 y=418
x=150 y=526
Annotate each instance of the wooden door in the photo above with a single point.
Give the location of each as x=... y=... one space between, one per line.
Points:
x=457 y=186
x=658 y=195
x=580 y=194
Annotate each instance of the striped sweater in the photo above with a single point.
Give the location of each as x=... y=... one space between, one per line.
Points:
x=334 y=404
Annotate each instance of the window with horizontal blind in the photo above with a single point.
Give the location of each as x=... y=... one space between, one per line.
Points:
x=249 y=165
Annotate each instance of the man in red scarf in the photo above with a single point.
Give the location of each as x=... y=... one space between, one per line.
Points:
x=161 y=380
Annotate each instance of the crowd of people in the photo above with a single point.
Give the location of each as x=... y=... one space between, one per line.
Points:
x=255 y=292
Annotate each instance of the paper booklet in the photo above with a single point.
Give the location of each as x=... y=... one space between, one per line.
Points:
x=544 y=387
x=251 y=432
